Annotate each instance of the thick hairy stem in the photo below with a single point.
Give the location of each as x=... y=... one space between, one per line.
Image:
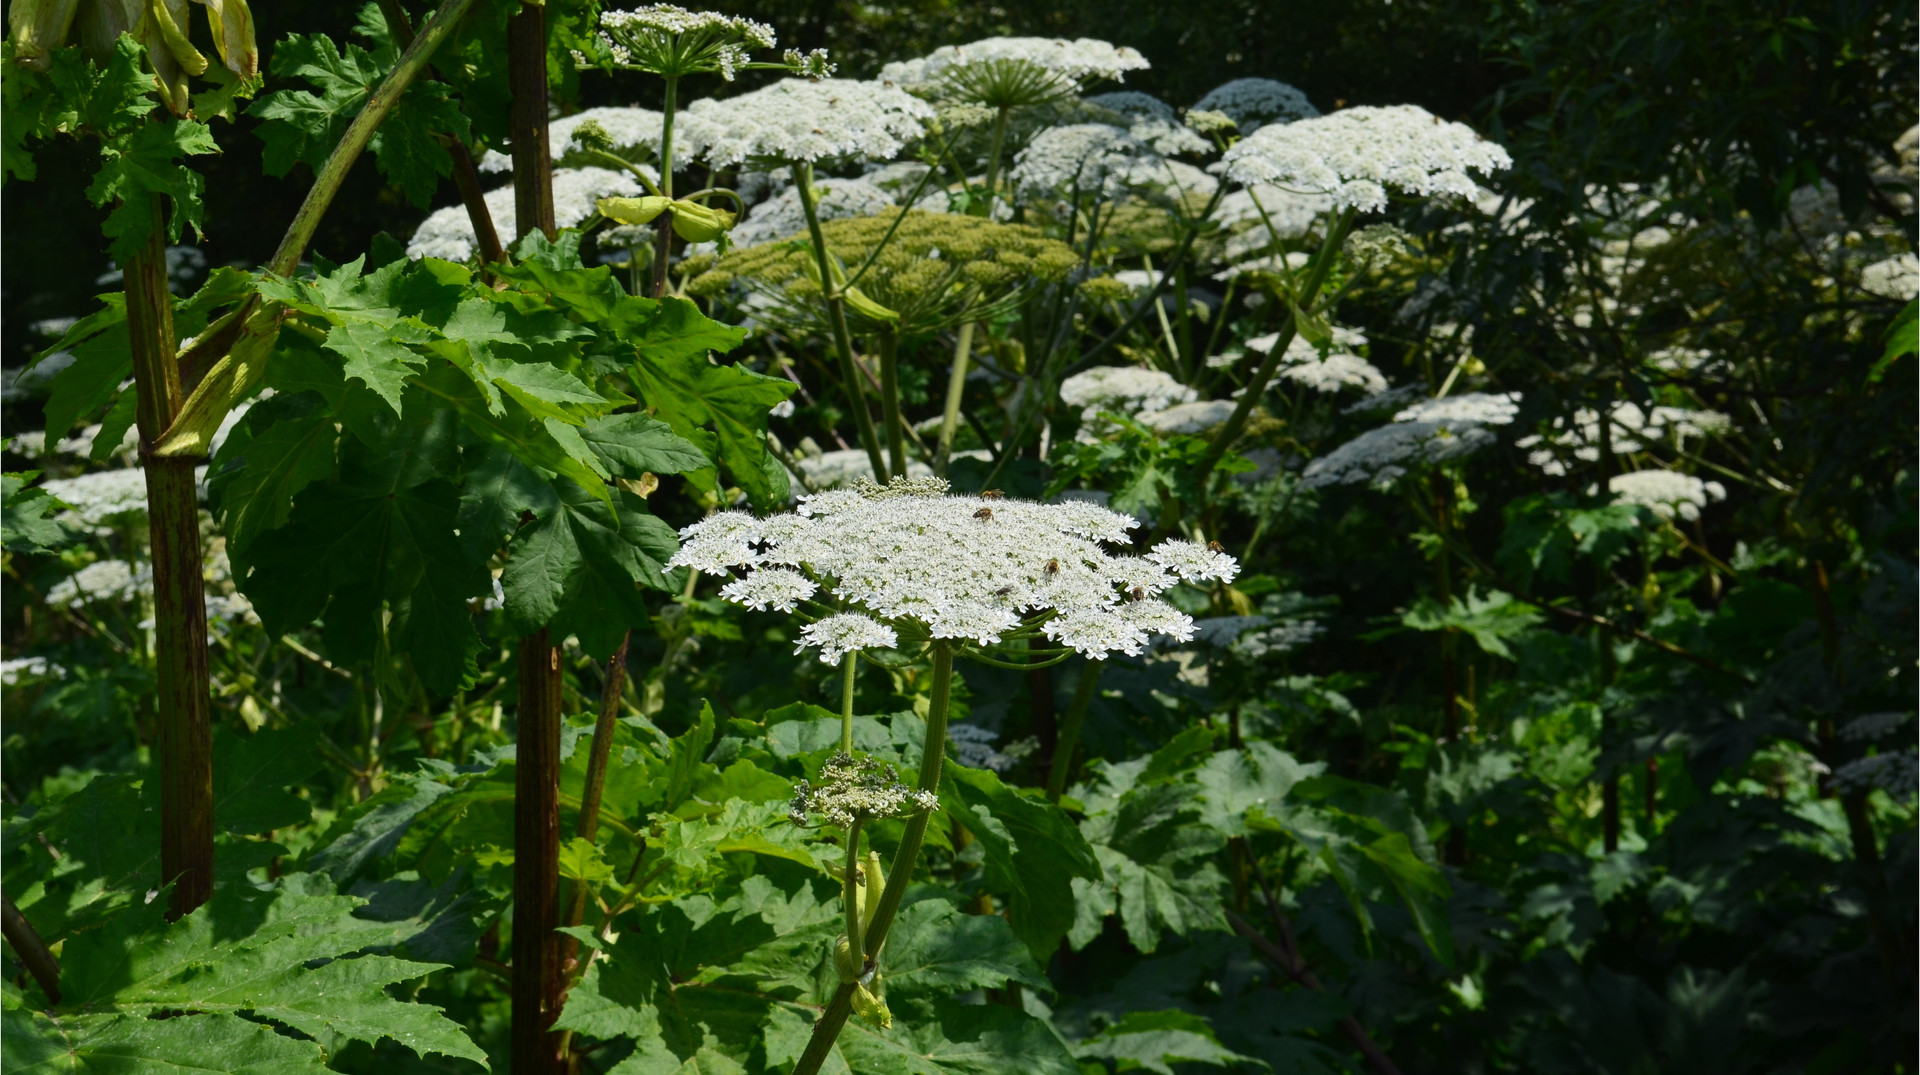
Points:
x=180 y=609
x=827 y=1030
x=849 y=664
x=31 y=949
x=1309 y=291
x=837 y=317
x=536 y=861
x=360 y=132
x=663 y=224
x=890 y=400
x=1069 y=740
x=527 y=119
x=956 y=388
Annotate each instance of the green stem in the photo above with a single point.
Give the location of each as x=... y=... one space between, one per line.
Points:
x=382 y=101
x=180 y=611
x=850 y=662
x=1237 y=422
x=663 y=224
x=837 y=317
x=32 y=951
x=956 y=388
x=1069 y=740
x=850 y=888
x=993 y=159
x=890 y=399
x=827 y=1030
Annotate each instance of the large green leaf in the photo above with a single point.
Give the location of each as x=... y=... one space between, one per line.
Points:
x=584 y=568
x=288 y=958
x=690 y=393
x=1157 y=1040
x=28 y=521
x=282 y=447
x=1034 y=854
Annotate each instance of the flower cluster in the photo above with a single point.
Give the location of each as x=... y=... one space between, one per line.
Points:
x=448 y=233
x=1082 y=158
x=927 y=565
x=1126 y=390
x=802 y=120
x=861 y=790
x=783 y=217
x=102 y=580
x=937 y=269
x=1008 y=72
x=669 y=40
x=1356 y=154
x=632 y=132
x=101 y=498
x=1335 y=368
x=1896 y=278
x=1634 y=429
x=1381 y=456
x=1189 y=417
x=16 y=670
x=1480 y=408
x=1666 y=492
x=1253 y=103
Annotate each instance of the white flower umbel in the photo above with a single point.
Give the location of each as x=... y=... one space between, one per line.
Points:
x=1381 y=456
x=1356 y=154
x=848 y=632
x=1007 y=72
x=1334 y=369
x=17 y=670
x=1896 y=278
x=448 y=232
x=831 y=470
x=634 y=132
x=101 y=498
x=672 y=41
x=1483 y=408
x=103 y=580
x=910 y=558
x=1088 y=159
x=1668 y=493
x=1122 y=389
x=1134 y=104
x=1253 y=103
x=1635 y=429
x=781 y=591
x=1262 y=215
x=782 y=216
x=860 y=790
x=799 y=120
x=1189 y=417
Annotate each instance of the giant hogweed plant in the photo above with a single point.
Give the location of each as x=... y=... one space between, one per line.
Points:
x=439 y=477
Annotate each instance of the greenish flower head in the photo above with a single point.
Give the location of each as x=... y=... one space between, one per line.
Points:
x=937 y=269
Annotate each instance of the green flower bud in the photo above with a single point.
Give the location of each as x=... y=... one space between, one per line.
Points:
x=844 y=962
x=634 y=210
x=870 y=1008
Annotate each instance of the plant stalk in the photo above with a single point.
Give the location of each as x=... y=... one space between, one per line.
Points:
x=956 y=388
x=890 y=399
x=993 y=159
x=837 y=317
x=536 y=859
x=1316 y=276
x=179 y=598
x=663 y=224
x=31 y=949
x=850 y=663
x=827 y=1030
x=379 y=103
x=1069 y=739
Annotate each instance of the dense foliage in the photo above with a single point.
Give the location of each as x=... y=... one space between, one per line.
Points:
x=955 y=563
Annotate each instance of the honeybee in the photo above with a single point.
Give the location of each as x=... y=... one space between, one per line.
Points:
x=1139 y=593
x=1215 y=546
x=992 y=494
x=1053 y=567
x=985 y=515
